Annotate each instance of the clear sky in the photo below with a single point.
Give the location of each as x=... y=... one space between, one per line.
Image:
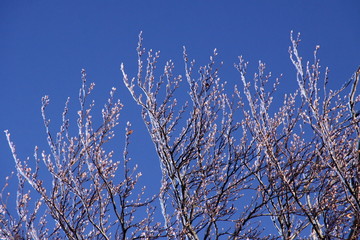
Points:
x=45 y=44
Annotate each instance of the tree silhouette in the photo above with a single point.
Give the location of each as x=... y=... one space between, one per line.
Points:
x=232 y=164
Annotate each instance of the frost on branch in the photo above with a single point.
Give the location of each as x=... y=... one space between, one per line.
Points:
x=233 y=164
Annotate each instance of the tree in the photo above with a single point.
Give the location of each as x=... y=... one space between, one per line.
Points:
x=231 y=164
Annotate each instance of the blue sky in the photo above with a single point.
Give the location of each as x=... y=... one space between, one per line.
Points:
x=45 y=44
